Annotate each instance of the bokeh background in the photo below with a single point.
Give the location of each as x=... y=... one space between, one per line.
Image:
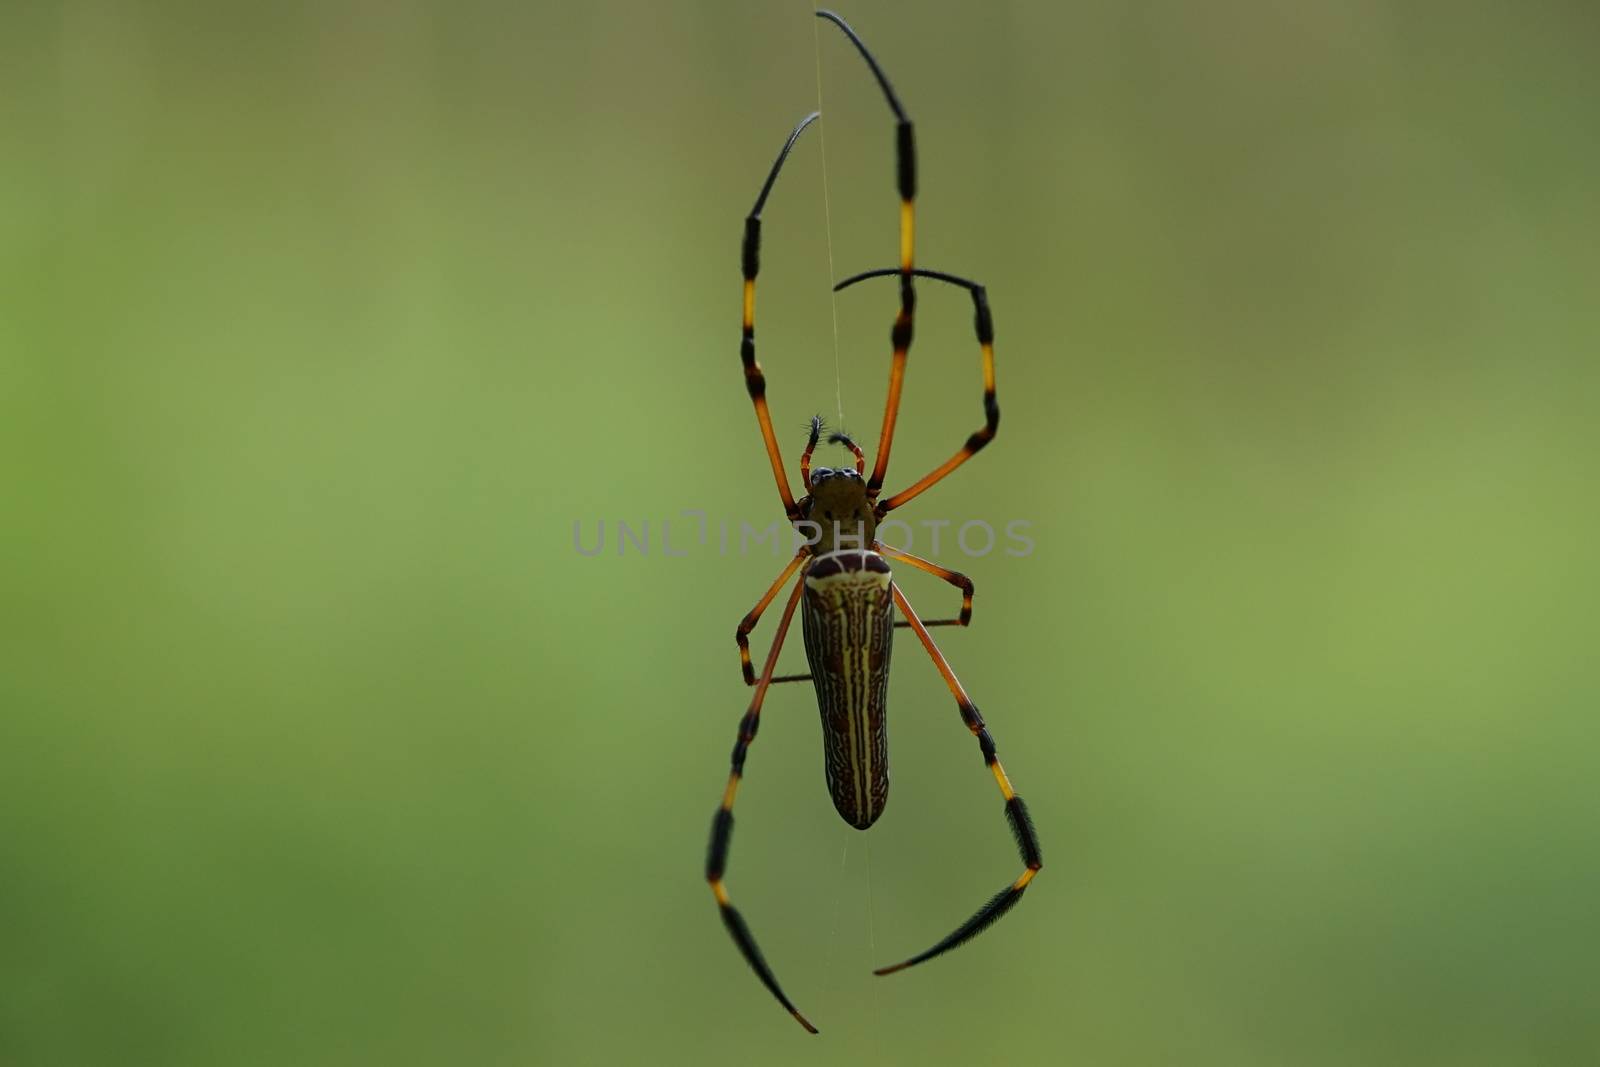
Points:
x=321 y=325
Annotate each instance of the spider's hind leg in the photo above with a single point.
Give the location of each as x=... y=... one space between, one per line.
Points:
x=722 y=822
x=1016 y=812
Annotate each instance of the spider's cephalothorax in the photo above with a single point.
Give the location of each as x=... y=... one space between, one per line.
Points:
x=839 y=510
x=848 y=591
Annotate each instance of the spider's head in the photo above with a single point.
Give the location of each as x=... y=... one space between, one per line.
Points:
x=838 y=504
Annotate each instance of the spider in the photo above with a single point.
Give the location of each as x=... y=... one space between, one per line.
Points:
x=846 y=584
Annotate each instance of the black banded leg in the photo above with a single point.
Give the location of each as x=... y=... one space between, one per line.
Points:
x=755 y=382
x=983 y=323
x=748 y=623
x=905 y=154
x=722 y=823
x=1016 y=811
x=955 y=578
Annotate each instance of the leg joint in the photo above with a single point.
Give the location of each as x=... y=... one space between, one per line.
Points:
x=900 y=336
x=970 y=716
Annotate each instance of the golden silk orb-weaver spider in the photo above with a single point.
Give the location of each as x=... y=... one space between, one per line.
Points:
x=846 y=591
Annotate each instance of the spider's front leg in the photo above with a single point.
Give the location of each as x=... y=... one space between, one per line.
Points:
x=754 y=381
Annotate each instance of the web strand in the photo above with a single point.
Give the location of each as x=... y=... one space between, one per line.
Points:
x=827 y=218
x=872 y=953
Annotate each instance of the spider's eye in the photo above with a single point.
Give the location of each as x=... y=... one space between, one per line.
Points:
x=847 y=472
x=822 y=474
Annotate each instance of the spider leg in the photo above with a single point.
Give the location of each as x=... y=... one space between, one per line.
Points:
x=960 y=581
x=755 y=382
x=983 y=322
x=1016 y=811
x=748 y=623
x=905 y=154
x=722 y=823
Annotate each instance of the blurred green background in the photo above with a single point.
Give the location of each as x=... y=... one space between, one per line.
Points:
x=322 y=324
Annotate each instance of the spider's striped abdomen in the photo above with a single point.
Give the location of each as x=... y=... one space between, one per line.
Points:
x=848 y=621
